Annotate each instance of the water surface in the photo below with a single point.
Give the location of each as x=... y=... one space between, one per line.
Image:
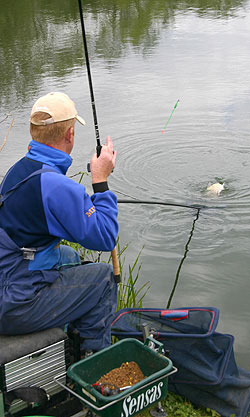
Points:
x=144 y=56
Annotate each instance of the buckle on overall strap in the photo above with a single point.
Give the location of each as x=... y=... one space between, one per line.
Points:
x=28 y=253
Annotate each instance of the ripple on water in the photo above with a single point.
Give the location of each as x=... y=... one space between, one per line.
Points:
x=181 y=167
x=179 y=171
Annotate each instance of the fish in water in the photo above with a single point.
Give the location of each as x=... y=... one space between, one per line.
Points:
x=215 y=188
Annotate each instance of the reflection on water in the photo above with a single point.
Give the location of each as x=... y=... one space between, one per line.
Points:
x=144 y=56
x=37 y=39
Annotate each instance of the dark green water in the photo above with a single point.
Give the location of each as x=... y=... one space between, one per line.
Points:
x=144 y=56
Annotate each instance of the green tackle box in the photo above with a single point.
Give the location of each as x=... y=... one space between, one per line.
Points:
x=131 y=401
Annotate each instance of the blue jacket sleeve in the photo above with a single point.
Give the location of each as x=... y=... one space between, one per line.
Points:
x=73 y=215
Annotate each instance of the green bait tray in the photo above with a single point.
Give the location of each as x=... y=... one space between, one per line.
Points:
x=131 y=401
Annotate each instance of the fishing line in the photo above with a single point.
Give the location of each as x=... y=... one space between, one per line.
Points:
x=98 y=151
x=126 y=195
x=6 y=117
x=98 y=147
x=186 y=249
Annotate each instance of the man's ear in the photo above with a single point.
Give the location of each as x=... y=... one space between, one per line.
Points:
x=70 y=134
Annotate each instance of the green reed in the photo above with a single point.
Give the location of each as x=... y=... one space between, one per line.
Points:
x=129 y=293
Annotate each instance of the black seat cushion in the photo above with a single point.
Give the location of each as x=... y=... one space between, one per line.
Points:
x=14 y=347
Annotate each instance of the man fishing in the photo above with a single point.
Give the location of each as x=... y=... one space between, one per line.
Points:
x=42 y=283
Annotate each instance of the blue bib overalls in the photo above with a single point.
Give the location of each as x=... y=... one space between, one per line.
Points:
x=34 y=300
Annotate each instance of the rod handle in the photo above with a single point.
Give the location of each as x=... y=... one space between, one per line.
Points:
x=98 y=151
x=116 y=267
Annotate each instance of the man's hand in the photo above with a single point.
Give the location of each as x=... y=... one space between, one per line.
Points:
x=102 y=166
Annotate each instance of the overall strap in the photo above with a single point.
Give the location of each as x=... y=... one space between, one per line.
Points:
x=28 y=253
x=4 y=197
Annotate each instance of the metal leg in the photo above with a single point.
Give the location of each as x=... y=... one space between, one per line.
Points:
x=91 y=414
x=158 y=411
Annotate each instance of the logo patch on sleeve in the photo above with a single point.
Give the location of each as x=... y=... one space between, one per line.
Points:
x=90 y=211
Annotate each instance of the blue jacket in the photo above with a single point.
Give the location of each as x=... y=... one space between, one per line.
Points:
x=43 y=210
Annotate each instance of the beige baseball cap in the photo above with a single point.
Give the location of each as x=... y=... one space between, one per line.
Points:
x=58 y=105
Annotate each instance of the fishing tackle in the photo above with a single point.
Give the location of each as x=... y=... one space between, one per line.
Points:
x=164 y=203
x=98 y=142
x=107 y=389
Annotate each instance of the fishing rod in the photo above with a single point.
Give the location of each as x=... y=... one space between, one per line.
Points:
x=98 y=146
x=98 y=142
x=114 y=256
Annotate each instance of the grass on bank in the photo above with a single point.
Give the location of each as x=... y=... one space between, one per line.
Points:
x=176 y=406
x=131 y=295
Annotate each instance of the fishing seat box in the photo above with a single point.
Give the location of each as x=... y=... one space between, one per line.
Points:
x=32 y=360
